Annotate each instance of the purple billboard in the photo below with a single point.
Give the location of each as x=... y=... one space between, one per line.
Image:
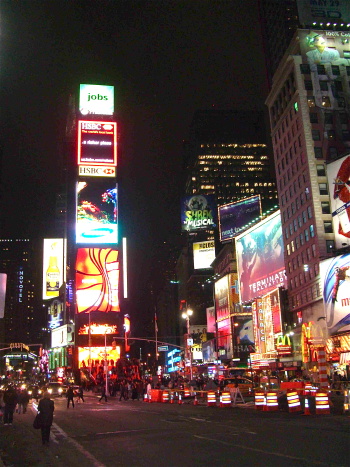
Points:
x=236 y=217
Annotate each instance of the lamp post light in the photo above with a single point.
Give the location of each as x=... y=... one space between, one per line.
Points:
x=186 y=315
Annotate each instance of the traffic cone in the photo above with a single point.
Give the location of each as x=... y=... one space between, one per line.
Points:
x=195 y=402
x=180 y=399
x=306 y=407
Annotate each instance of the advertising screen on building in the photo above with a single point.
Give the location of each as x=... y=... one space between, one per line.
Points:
x=260 y=258
x=222 y=301
x=97 y=280
x=335 y=279
x=322 y=49
x=54 y=266
x=97 y=212
x=56 y=314
x=338 y=174
x=243 y=335
x=203 y=254
x=97 y=143
x=236 y=217
x=62 y=336
x=3 y=281
x=198 y=212
x=96 y=99
x=323 y=11
x=98 y=355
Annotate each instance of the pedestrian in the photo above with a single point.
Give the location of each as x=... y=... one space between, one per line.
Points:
x=10 y=401
x=70 y=396
x=80 y=394
x=103 y=394
x=23 y=399
x=46 y=409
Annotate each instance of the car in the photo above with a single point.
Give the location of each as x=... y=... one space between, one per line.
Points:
x=245 y=385
x=54 y=388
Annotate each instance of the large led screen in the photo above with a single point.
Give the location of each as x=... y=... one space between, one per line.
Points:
x=198 y=212
x=97 y=143
x=335 y=278
x=236 y=217
x=54 y=267
x=203 y=254
x=97 y=280
x=338 y=174
x=260 y=258
x=3 y=281
x=323 y=11
x=97 y=212
x=96 y=99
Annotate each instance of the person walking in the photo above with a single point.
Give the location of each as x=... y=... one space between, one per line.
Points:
x=103 y=394
x=46 y=409
x=10 y=401
x=80 y=394
x=70 y=396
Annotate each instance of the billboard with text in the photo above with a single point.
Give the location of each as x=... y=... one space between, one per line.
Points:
x=198 y=212
x=203 y=254
x=54 y=267
x=97 y=143
x=96 y=99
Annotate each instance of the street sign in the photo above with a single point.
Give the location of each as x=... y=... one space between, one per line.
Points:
x=163 y=348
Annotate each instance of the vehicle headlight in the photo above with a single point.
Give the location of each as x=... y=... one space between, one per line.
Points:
x=39 y=392
x=30 y=392
x=49 y=391
x=60 y=390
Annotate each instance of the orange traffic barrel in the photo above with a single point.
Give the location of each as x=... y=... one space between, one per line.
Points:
x=165 y=396
x=322 y=403
x=259 y=399
x=271 y=401
x=225 y=399
x=211 y=398
x=293 y=401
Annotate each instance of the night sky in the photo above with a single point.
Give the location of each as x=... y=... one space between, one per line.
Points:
x=166 y=59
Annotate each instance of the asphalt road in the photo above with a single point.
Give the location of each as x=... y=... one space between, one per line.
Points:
x=138 y=434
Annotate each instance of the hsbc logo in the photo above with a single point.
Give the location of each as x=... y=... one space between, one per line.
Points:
x=96 y=126
x=95 y=171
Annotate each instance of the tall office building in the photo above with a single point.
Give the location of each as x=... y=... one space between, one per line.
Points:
x=227 y=156
x=310 y=126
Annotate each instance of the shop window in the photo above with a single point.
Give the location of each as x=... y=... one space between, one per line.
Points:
x=311 y=101
x=326 y=101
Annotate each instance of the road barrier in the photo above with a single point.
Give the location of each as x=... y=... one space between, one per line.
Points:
x=271 y=401
x=306 y=407
x=293 y=401
x=346 y=401
x=259 y=400
x=165 y=396
x=225 y=399
x=211 y=398
x=322 y=403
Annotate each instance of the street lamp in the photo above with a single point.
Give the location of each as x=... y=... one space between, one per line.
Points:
x=186 y=315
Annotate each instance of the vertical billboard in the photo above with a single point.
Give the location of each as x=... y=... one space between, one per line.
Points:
x=198 y=212
x=97 y=212
x=335 y=279
x=97 y=143
x=260 y=258
x=56 y=314
x=54 y=266
x=3 y=281
x=96 y=99
x=238 y=216
x=97 y=280
x=203 y=254
x=324 y=11
x=338 y=174
x=222 y=306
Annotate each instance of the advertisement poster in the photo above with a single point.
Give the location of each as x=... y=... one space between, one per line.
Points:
x=222 y=303
x=97 y=212
x=335 y=278
x=3 y=281
x=323 y=11
x=211 y=319
x=96 y=99
x=97 y=280
x=54 y=267
x=198 y=212
x=243 y=336
x=260 y=258
x=97 y=143
x=56 y=314
x=238 y=216
x=338 y=175
x=203 y=254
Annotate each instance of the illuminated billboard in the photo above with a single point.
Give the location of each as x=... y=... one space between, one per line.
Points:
x=97 y=280
x=203 y=254
x=260 y=259
x=335 y=279
x=62 y=336
x=97 y=143
x=238 y=216
x=3 y=281
x=96 y=171
x=54 y=267
x=310 y=11
x=96 y=99
x=98 y=355
x=97 y=212
x=56 y=314
x=198 y=212
x=338 y=174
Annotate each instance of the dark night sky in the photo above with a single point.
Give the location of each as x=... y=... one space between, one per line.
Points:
x=166 y=59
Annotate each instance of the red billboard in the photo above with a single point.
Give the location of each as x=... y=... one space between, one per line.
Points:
x=260 y=258
x=97 y=280
x=97 y=143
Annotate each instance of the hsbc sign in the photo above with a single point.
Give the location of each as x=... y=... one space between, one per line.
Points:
x=96 y=171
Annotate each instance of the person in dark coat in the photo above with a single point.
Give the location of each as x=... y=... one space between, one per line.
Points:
x=10 y=401
x=103 y=394
x=46 y=408
x=70 y=396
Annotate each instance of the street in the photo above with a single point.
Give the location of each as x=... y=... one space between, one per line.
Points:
x=136 y=433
